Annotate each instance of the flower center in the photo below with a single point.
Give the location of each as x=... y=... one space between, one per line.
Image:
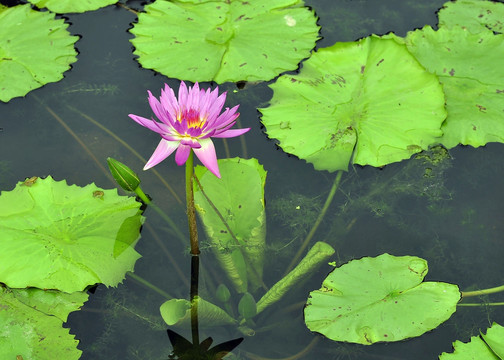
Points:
x=193 y=118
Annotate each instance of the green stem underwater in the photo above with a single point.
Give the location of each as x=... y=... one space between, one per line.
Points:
x=328 y=201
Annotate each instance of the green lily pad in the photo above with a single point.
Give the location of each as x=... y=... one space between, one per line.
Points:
x=473 y=15
x=177 y=312
x=35 y=49
x=476 y=349
x=473 y=84
x=239 y=197
x=56 y=236
x=71 y=6
x=223 y=41
x=379 y=299
x=33 y=334
x=51 y=302
x=368 y=101
x=495 y=339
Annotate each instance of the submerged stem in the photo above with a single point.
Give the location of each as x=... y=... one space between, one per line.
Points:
x=149 y=285
x=328 y=201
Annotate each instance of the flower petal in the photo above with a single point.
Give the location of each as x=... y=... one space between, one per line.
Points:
x=182 y=154
x=231 y=133
x=157 y=108
x=151 y=124
x=206 y=154
x=163 y=150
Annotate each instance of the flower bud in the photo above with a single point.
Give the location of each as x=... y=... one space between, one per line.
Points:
x=125 y=177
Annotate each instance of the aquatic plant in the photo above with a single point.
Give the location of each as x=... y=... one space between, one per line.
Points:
x=189 y=123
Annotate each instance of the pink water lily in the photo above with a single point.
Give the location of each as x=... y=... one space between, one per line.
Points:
x=189 y=123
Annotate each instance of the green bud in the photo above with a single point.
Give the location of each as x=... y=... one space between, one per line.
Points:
x=125 y=177
x=247 y=306
x=223 y=293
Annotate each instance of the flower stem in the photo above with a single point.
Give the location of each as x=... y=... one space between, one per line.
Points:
x=482 y=292
x=191 y=213
x=193 y=235
x=317 y=222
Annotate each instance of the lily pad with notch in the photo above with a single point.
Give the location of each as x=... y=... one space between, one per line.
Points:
x=368 y=102
x=31 y=324
x=224 y=40
x=66 y=237
x=379 y=299
x=35 y=49
x=473 y=84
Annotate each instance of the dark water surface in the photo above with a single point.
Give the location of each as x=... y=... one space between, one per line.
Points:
x=457 y=223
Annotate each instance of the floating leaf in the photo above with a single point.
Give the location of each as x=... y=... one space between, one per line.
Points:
x=473 y=84
x=56 y=236
x=51 y=302
x=317 y=255
x=495 y=339
x=476 y=349
x=239 y=197
x=177 y=312
x=473 y=15
x=33 y=334
x=72 y=6
x=379 y=299
x=35 y=49
x=223 y=41
x=370 y=100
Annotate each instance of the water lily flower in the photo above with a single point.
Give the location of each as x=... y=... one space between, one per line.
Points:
x=189 y=123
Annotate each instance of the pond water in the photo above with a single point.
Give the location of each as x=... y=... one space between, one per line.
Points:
x=454 y=219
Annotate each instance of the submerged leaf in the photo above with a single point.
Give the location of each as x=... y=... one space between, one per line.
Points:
x=177 y=312
x=473 y=84
x=379 y=299
x=239 y=197
x=370 y=101
x=224 y=40
x=35 y=49
x=56 y=236
x=315 y=256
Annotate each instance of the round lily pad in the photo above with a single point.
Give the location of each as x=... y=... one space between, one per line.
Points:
x=473 y=84
x=379 y=299
x=224 y=40
x=473 y=15
x=35 y=49
x=29 y=333
x=71 y=6
x=56 y=236
x=369 y=102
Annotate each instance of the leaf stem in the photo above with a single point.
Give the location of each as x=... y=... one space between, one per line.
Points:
x=482 y=304
x=328 y=201
x=483 y=292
